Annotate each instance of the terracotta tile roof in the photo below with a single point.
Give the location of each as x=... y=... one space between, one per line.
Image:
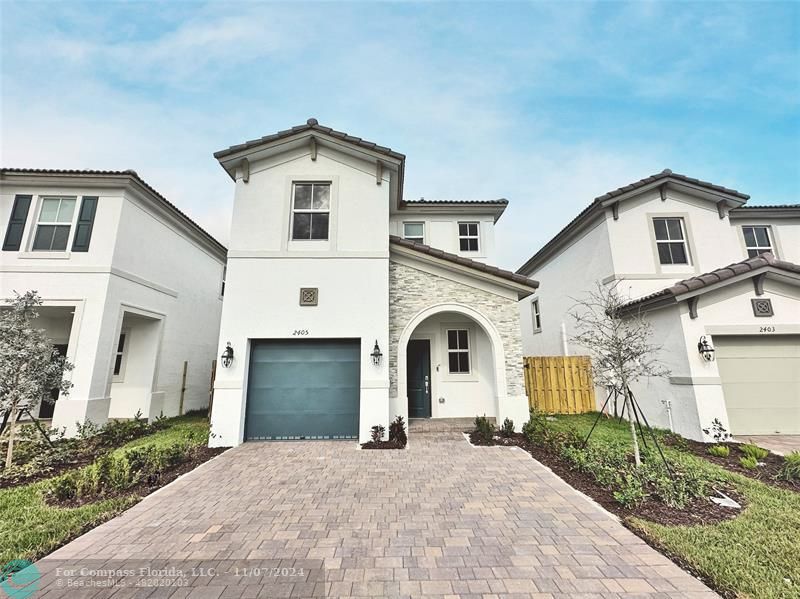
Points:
x=768 y=207
x=129 y=173
x=596 y=205
x=667 y=173
x=500 y=201
x=310 y=125
x=480 y=266
x=719 y=275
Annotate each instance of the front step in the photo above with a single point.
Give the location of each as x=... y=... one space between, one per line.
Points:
x=441 y=425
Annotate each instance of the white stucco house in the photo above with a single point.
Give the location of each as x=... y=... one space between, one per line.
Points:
x=347 y=304
x=702 y=265
x=131 y=288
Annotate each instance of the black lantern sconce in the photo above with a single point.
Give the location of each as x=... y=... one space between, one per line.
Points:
x=227 y=356
x=706 y=349
x=376 y=354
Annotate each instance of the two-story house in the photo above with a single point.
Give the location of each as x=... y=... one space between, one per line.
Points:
x=131 y=290
x=704 y=268
x=347 y=305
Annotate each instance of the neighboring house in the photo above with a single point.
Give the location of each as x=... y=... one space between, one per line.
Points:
x=131 y=289
x=668 y=239
x=340 y=314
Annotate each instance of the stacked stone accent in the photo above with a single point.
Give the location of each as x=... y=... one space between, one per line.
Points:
x=412 y=290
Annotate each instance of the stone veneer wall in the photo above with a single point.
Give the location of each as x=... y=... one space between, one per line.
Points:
x=412 y=290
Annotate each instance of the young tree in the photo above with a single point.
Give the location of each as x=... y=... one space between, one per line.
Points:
x=619 y=342
x=30 y=367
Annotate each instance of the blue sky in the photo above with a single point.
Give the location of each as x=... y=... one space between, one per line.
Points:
x=546 y=104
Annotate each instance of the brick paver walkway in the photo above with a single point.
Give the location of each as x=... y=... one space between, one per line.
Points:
x=439 y=519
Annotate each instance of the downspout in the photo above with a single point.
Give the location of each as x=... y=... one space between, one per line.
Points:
x=564 y=344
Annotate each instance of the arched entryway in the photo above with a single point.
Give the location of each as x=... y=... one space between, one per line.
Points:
x=460 y=353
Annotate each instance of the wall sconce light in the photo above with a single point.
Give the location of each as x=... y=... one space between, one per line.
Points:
x=376 y=354
x=227 y=356
x=706 y=349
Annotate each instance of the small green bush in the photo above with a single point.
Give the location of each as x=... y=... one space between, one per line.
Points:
x=397 y=431
x=791 y=466
x=536 y=428
x=630 y=492
x=484 y=429
x=720 y=451
x=376 y=433
x=507 y=430
x=748 y=462
x=753 y=451
x=65 y=487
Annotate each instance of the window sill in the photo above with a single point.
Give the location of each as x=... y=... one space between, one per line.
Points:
x=537 y=331
x=44 y=255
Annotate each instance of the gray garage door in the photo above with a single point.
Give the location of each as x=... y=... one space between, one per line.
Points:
x=761 y=382
x=303 y=389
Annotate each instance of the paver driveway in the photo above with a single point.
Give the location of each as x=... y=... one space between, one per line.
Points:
x=441 y=518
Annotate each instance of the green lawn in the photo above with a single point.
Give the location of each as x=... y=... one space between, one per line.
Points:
x=30 y=529
x=755 y=555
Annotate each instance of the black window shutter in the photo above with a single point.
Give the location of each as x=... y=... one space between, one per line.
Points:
x=16 y=224
x=83 y=230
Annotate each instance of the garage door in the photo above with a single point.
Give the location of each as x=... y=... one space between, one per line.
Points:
x=303 y=389
x=761 y=381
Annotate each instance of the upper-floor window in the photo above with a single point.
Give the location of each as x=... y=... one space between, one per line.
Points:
x=536 y=316
x=458 y=351
x=54 y=224
x=756 y=240
x=670 y=241
x=311 y=206
x=414 y=232
x=468 y=237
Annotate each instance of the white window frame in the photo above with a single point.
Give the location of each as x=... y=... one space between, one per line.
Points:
x=476 y=237
x=459 y=350
x=758 y=248
x=38 y=222
x=311 y=210
x=416 y=238
x=120 y=376
x=536 y=315
x=683 y=240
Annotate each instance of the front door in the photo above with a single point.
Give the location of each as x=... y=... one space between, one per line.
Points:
x=419 y=378
x=46 y=409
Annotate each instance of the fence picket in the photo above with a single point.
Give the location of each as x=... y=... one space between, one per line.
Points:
x=559 y=384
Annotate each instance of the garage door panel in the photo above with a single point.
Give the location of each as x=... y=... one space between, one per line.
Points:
x=303 y=389
x=761 y=382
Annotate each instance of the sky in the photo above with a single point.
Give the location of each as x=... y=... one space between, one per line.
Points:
x=547 y=104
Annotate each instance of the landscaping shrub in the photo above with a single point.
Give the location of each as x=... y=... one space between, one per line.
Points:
x=536 y=428
x=117 y=432
x=748 y=462
x=791 y=466
x=720 y=451
x=397 y=431
x=484 y=429
x=115 y=473
x=376 y=433
x=86 y=429
x=717 y=431
x=753 y=451
x=610 y=465
x=507 y=430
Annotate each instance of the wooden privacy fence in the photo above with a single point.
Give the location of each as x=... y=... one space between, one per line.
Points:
x=559 y=384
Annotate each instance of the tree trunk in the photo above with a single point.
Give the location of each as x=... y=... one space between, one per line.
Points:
x=11 y=425
x=637 y=459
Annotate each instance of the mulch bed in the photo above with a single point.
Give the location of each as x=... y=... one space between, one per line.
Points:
x=766 y=473
x=17 y=479
x=83 y=455
x=193 y=459
x=699 y=511
x=382 y=445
